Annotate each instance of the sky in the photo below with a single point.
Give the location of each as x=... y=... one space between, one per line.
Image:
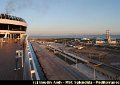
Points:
x=66 y=17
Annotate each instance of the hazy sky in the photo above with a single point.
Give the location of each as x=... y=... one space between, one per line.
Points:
x=66 y=17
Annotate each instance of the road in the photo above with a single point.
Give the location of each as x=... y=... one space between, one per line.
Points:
x=55 y=68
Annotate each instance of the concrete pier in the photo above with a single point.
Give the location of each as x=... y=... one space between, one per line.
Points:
x=54 y=68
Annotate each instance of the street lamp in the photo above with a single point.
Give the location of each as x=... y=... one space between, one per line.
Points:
x=94 y=74
x=95 y=69
x=76 y=63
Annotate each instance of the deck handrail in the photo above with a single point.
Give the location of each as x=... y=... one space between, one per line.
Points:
x=34 y=67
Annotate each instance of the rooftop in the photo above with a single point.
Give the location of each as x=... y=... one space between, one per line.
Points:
x=10 y=17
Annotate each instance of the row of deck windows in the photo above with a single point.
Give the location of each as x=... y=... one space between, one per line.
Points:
x=12 y=27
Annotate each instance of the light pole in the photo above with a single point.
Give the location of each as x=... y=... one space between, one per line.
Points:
x=95 y=69
x=94 y=74
x=65 y=58
x=76 y=63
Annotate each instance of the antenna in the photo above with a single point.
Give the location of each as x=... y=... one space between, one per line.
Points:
x=7 y=12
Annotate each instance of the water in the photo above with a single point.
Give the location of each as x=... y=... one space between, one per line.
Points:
x=82 y=36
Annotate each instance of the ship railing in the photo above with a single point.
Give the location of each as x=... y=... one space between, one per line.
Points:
x=31 y=63
x=35 y=69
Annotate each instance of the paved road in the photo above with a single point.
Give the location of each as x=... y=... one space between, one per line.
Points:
x=55 y=68
x=90 y=72
x=82 y=67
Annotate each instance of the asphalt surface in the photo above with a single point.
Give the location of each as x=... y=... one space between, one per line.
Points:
x=55 y=68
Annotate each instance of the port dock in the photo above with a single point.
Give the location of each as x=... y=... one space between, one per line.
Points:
x=54 y=68
x=90 y=68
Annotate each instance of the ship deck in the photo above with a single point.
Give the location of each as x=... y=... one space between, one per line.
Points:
x=7 y=61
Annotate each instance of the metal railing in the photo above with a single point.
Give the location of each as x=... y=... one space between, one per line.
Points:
x=35 y=69
x=103 y=68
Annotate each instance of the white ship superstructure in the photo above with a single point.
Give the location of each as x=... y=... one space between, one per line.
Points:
x=12 y=26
